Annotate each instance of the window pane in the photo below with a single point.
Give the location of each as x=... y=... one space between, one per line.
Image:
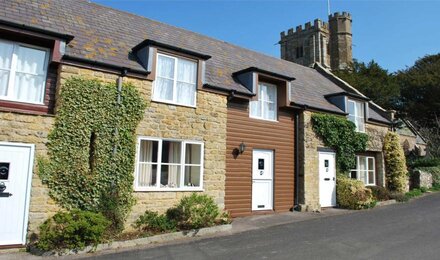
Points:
x=6 y=50
x=31 y=60
x=28 y=87
x=192 y=176
x=360 y=109
x=171 y=152
x=371 y=177
x=362 y=163
x=360 y=125
x=170 y=176
x=271 y=93
x=193 y=154
x=165 y=67
x=263 y=95
x=371 y=164
x=353 y=174
x=255 y=108
x=363 y=176
x=271 y=111
x=352 y=119
x=163 y=89
x=185 y=93
x=186 y=71
x=147 y=175
x=4 y=79
x=148 y=151
x=351 y=108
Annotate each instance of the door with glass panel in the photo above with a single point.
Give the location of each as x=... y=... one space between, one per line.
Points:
x=262 y=180
x=327 y=179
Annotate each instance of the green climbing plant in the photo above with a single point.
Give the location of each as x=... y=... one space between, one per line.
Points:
x=91 y=148
x=340 y=134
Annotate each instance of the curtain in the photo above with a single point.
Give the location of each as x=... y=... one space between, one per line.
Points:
x=173 y=170
x=186 y=82
x=163 y=88
x=6 y=50
x=145 y=169
x=30 y=74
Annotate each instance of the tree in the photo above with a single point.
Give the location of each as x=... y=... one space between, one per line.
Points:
x=395 y=163
x=420 y=91
x=373 y=81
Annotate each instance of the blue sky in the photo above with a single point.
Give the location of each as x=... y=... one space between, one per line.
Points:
x=393 y=33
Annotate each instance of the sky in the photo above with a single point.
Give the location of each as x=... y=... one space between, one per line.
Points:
x=394 y=33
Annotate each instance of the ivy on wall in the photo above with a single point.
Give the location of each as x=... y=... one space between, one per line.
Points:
x=91 y=149
x=340 y=134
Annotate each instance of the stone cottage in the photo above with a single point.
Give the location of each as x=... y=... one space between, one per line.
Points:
x=244 y=117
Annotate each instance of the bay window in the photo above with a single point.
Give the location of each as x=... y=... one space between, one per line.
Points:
x=176 y=80
x=356 y=114
x=23 y=70
x=365 y=170
x=266 y=105
x=169 y=165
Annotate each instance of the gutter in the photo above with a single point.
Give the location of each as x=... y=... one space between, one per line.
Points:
x=296 y=161
x=103 y=64
x=228 y=90
x=119 y=101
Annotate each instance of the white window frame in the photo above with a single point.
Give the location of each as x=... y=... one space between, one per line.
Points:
x=357 y=115
x=13 y=70
x=175 y=98
x=159 y=164
x=367 y=171
x=265 y=102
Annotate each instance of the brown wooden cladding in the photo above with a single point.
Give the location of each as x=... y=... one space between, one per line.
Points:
x=258 y=134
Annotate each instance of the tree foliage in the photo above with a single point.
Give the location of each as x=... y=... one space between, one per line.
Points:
x=91 y=148
x=420 y=91
x=340 y=134
x=373 y=81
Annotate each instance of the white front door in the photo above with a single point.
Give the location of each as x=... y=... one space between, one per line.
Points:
x=327 y=179
x=262 y=179
x=16 y=161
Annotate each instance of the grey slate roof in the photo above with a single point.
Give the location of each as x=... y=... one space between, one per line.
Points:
x=107 y=35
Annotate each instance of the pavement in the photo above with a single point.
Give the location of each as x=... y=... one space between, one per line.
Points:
x=400 y=231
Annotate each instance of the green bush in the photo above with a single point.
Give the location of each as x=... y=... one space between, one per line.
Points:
x=413 y=193
x=196 y=211
x=379 y=193
x=395 y=163
x=398 y=196
x=153 y=222
x=424 y=162
x=352 y=194
x=72 y=230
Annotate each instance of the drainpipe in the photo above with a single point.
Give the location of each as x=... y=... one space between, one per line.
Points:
x=296 y=161
x=119 y=100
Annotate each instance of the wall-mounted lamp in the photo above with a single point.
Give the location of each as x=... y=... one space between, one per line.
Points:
x=242 y=148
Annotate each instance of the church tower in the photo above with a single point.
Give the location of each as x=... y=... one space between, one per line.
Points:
x=327 y=43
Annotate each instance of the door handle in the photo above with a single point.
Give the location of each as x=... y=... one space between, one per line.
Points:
x=326 y=179
x=5 y=194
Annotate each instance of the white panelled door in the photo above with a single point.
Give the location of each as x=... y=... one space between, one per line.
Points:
x=16 y=162
x=262 y=180
x=327 y=179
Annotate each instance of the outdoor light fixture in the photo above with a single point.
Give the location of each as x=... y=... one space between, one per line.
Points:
x=242 y=148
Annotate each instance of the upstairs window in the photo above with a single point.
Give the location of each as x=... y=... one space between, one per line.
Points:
x=266 y=105
x=169 y=165
x=176 y=80
x=356 y=114
x=365 y=170
x=23 y=72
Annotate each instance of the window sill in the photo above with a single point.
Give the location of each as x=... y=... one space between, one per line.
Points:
x=167 y=190
x=171 y=103
x=24 y=108
x=263 y=119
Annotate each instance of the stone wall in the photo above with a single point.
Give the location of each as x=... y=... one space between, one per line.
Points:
x=308 y=164
x=206 y=122
x=420 y=178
